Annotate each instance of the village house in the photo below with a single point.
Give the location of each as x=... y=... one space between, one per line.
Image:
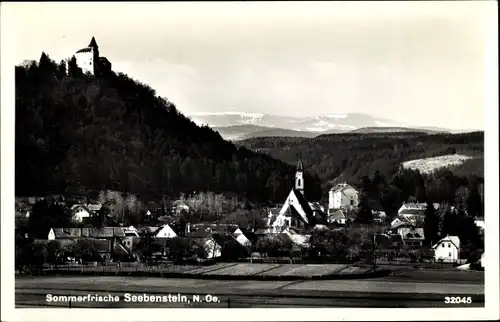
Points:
x=336 y=217
x=447 y=249
x=131 y=231
x=245 y=237
x=94 y=207
x=216 y=244
x=415 y=219
x=166 y=231
x=107 y=240
x=400 y=224
x=81 y=213
x=229 y=247
x=379 y=216
x=130 y=242
x=180 y=207
x=412 y=236
x=412 y=208
x=342 y=196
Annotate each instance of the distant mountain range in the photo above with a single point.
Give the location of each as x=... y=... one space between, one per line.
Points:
x=239 y=125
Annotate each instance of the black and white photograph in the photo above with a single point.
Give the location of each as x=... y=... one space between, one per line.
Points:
x=227 y=158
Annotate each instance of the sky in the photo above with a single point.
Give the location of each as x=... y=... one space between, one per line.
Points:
x=418 y=62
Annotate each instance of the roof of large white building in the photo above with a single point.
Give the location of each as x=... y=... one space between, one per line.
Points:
x=342 y=187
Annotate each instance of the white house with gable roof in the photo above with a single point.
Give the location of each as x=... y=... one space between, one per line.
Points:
x=447 y=249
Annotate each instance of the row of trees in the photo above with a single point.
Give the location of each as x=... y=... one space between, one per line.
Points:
x=75 y=132
x=30 y=255
x=378 y=193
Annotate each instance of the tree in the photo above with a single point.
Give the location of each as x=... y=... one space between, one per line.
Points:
x=45 y=216
x=449 y=224
x=73 y=69
x=182 y=248
x=86 y=250
x=420 y=191
x=431 y=224
x=245 y=219
x=474 y=202
x=23 y=251
x=145 y=246
x=61 y=70
x=272 y=245
x=365 y=215
x=54 y=252
x=333 y=244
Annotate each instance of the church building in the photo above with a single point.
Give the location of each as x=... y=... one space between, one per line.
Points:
x=296 y=212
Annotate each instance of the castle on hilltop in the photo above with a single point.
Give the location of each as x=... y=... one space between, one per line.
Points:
x=90 y=62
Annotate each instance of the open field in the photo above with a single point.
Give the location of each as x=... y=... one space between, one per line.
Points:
x=405 y=289
x=428 y=165
x=258 y=271
x=223 y=270
x=304 y=270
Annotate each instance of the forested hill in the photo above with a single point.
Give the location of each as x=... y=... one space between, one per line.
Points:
x=78 y=133
x=350 y=156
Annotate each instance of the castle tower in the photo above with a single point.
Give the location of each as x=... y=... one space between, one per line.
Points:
x=95 y=49
x=299 y=177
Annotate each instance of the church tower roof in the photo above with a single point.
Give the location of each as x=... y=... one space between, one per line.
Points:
x=300 y=166
x=93 y=43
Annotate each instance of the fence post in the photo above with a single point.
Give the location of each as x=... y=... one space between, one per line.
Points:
x=69 y=304
x=228 y=303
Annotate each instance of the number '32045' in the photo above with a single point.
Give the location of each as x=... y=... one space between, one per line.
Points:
x=458 y=300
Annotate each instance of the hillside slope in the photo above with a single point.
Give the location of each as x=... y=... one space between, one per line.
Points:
x=78 y=134
x=243 y=132
x=349 y=156
x=393 y=130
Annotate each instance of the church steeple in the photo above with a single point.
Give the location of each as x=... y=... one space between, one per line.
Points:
x=93 y=43
x=299 y=177
x=300 y=166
